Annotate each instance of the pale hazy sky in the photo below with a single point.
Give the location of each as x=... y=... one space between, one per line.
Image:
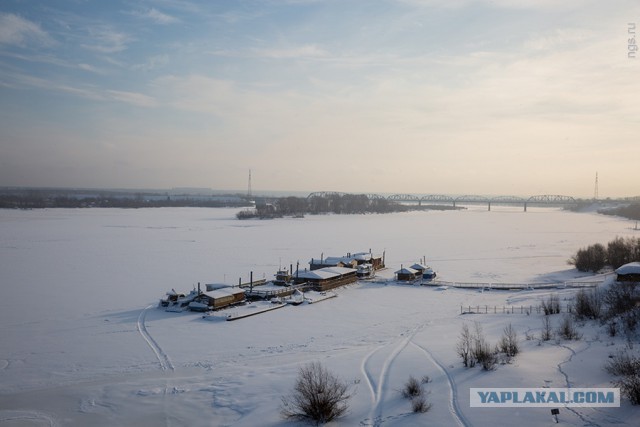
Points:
x=515 y=97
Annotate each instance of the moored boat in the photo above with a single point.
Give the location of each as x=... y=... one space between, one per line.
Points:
x=283 y=278
x=296 y=298
x=429 y=274
x=175 y=301
x=365 y=271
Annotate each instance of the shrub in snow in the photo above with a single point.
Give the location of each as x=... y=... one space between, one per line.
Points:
x=509 y=342
x=567 y=329
x=464 y=346
x=551 y=305
x=419 y=404
x=627 y=368
x=620 y=298
x=482 y=351
x=473 y=348
x=623 y=363
x=486 y=357
x=630 y=321
x=413 y=390
x=592 y=258
x=621 y=251
x=612 y=327
x=547 y=331
x=588 y=304
x=318 y=396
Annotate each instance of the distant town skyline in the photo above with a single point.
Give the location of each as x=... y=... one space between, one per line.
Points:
x=491 y=97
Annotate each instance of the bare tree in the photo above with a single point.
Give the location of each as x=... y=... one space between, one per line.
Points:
x=318 y=396
x=464 y=346
x=509 y=342
x=551 y=305
x=568 y=330
x=547 y=331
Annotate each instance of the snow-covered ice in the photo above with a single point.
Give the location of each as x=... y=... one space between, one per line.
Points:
x=84 y=344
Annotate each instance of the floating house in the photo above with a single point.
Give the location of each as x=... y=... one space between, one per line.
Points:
x=217 y=299
x=348 y=261
x=425 y=272
x=419 y=268
x=323 y=279
x=629 y=272
x=407 y=274
x=429 y=274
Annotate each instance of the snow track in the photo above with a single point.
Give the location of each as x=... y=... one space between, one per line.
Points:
x=377 y=387
x=454 y=405
x=163 y=358
x=36 y=417
x=587 y=420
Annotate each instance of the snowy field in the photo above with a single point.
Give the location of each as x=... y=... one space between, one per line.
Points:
x=83 y=343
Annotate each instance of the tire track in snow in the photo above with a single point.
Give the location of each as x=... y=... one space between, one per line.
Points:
x=17 y=416
x=454 y=405
x=377 y=389
x=163 y=358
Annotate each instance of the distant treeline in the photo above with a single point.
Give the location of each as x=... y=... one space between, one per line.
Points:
x=331 y=203
x=630 y=211
x=618 y=252
x=39 y=201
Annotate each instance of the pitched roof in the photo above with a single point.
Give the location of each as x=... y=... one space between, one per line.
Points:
x=325 y=273
x=334 y=260
x=224 y=292
x=631 y=268
x=407 y=270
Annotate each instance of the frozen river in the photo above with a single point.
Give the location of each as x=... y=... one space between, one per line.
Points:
x=78 y=345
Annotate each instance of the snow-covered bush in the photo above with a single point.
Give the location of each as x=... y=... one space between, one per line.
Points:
x=568 y=330
x=588 y=304
x=318 y=396
x=413 y=390
x=627 y=367
x=620 y=298
x=592 y=258
x=509 y=342
x=419 y=404
x=464 y=346
x=551 y=305
x=546 y=333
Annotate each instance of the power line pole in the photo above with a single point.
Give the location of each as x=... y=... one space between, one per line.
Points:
x=249 y=189
x=595 y=192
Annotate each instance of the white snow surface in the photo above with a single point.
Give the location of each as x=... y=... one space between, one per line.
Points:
x=83 y=342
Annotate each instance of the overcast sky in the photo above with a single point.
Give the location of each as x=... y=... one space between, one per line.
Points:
x=505 y=97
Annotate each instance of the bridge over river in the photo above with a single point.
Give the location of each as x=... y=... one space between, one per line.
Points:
x=434 y=199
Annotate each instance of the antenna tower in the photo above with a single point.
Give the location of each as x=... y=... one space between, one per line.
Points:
x=595 y=192
x=249 y=189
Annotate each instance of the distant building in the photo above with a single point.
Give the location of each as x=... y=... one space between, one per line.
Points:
x=348 y=261
x=629 y=272
x=407 y=274
x=323 y=279
x=222 y=297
